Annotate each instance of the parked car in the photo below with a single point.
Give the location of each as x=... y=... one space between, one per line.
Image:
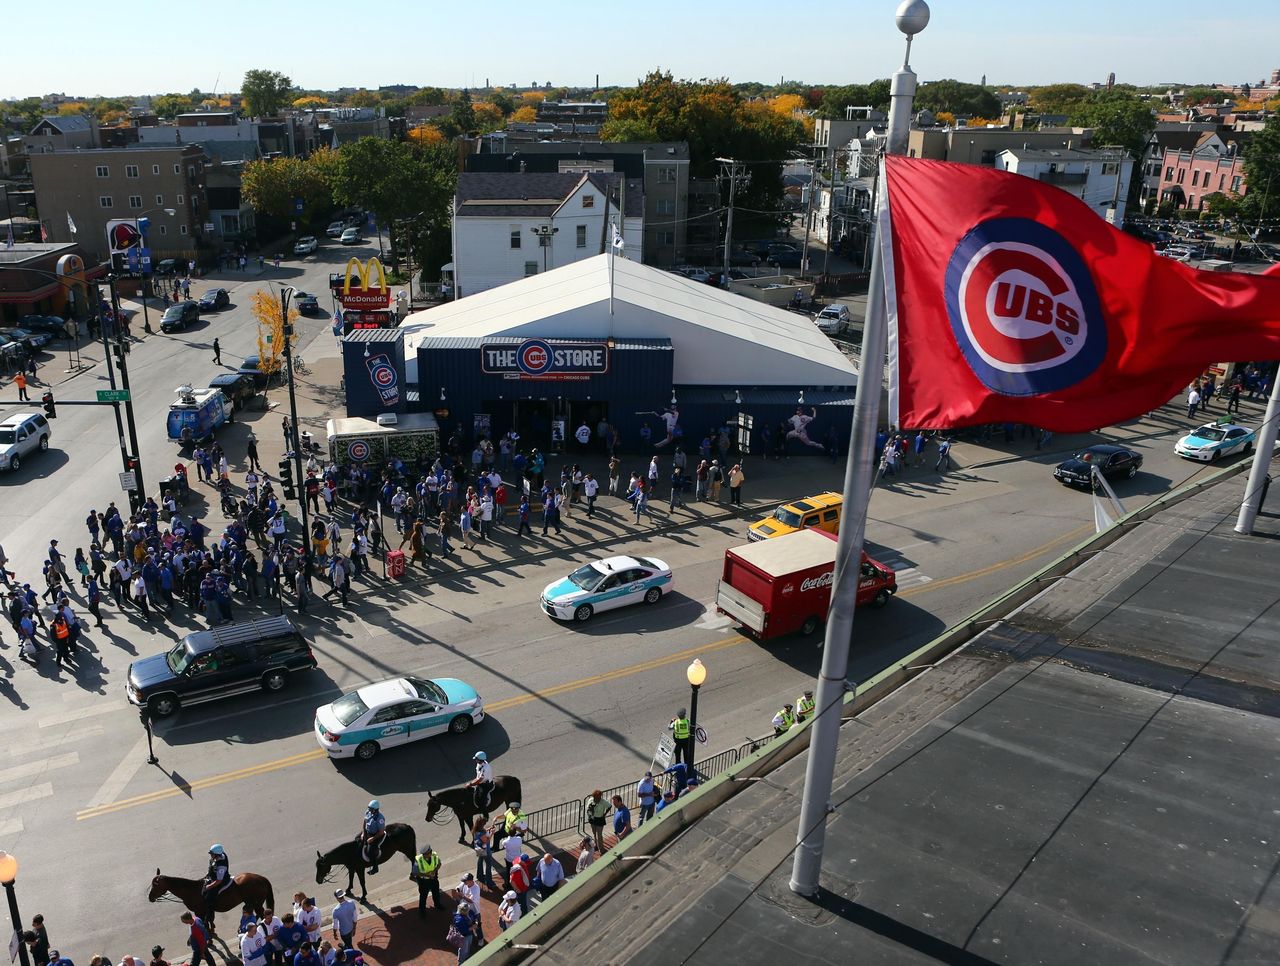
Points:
x=364 y=721
x=30 y=340
x=785 y=256
x=50 y=325
x=1214 y=440
x=180 y=316
x=350 y=236
x=306 y=303
x=834 y=319
x=1111 y=461
x=214 y=299
x=693 y=274
x=21 y=435
x=335 y=229
x=168 y=266
x=251 y=368
x=233 y=659
x=306 y=245
x=605 y=584
x=238 y=387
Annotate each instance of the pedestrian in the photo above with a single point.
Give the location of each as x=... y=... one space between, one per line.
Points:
x=251 y=451
x=523 y=512
x=646 y=795
x=198 y=939
x=1233 y=398
x=597 y=812
x=550 y=876
x=621 y=818
x=157 y=957
x=551 y=511
x=139 y=594
x=521 y=881
x=344 y=918
x=482 y=845
x=944 y=455
x=1193 y=401
x=20 y=381
x=736 y=479
x=715 y=480
x=468 y=891
x=615 y=468
x=461 y=933
x=590 y=488
x=37 y=940
x=889 y=459
x=508 y=910
x=586 y=854
x=253 y=945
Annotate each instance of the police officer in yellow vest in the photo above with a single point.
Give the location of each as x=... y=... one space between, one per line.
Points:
x=682 y=731
x=513 y=815
x=426 y=872
x=804 y=706
x=784 y=720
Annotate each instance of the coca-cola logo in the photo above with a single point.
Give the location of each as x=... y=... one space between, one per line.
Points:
x=813 y=583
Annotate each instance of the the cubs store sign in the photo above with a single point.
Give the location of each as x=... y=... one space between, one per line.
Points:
x=545 y=359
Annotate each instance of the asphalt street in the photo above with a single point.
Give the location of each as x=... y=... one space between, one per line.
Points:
x=572 y=708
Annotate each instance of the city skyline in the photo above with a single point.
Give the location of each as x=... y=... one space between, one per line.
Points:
x=514 y=46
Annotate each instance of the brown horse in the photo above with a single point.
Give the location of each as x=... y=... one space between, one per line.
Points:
x=246 y=889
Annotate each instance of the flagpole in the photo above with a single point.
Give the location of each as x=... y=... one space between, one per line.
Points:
x=1261 y=461
x=912 y=16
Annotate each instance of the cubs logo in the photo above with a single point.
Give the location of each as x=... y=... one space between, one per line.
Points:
x=534 y=357
x=385 y=379
x=1024 y=308
x=358 y=450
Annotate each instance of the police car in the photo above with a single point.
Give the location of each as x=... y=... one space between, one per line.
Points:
x=365 y=721
x=606 y=584
x=1215 y=440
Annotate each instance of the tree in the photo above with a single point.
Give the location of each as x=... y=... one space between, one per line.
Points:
x=1057 y=98
x=1202 y=95
x=265 y=92
x=425 y=134
x=72 y=108
x=1117 y=118
x=463 y=114
x=310 y=101
x=488 y=117
x=391 y=179
x=528 y=113
x=272 y=186
x=1262 y=172
x=835 y=99
x=787 y=104
x=958 y=98
x=363 y=98
x=503 y=102
x=270 y=320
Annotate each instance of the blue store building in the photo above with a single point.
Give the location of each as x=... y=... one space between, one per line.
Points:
x=605 y=339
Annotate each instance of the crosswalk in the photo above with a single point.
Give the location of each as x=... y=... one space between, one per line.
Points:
x=33 y=762
x=905 y=570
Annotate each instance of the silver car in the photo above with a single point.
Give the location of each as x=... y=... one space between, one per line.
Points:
x=20 y=435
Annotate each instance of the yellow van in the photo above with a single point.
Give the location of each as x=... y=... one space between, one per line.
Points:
x=821 y=511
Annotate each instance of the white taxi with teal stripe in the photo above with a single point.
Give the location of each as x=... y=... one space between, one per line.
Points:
x=606 y=584
x=1215 y=440
x=365 y=721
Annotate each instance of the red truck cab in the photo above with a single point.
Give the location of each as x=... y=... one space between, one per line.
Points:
x=780 y=586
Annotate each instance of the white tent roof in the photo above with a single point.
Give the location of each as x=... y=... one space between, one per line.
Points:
x=720 y=339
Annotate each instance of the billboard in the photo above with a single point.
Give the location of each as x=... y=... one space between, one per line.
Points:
x=541 y=359
x=366 y=295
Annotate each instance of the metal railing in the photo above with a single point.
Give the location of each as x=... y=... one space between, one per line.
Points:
x=716 y=764
x=555 y=819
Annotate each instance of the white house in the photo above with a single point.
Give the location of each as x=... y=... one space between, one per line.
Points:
x=1090 y=175
x=508 y=226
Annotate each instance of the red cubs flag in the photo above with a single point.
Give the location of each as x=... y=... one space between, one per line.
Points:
x=1013 y=301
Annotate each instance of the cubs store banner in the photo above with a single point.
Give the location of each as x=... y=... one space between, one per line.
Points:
x=1012 y=301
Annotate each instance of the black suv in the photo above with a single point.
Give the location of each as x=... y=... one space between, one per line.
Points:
x=217 y=663
x=180 y=316
x=239 y=387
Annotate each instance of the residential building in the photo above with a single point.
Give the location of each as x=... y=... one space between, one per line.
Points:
x=679 y=226
x=1099 y=178
x=572 y=114
x=58 y=133
x=1179 y=136
x=981 y=145
x=857 y=123
x=1213 y=166
x=13 y=156
x=232 y=217
x=95 y=187
x=512 y=226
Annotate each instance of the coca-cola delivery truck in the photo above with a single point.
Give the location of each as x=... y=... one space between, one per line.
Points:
x=783 y=585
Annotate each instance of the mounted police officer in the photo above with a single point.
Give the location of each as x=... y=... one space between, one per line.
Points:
x=372 y=832
x=216 y=878
x=483 y=782
x=682 y=731
x=804 y=706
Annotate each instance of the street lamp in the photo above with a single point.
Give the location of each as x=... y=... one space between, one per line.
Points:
x=544 y=233
x=8 y=876
x=286 y=293
x=697 y=675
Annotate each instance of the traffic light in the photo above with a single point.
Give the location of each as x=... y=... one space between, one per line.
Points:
x=120 y=350
x=130 y=463
x=286 y=479
x=50 y=409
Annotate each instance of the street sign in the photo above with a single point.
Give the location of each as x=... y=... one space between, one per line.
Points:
x=701 y=734
x=128 y=481
x=666 y=748
x=113 y=395
x=14 y=945
x=297 y=205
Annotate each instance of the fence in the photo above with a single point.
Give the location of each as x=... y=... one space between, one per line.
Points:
x=555 y=819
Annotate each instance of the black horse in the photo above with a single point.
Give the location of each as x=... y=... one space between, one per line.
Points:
x=506 y=789
x=399 y=838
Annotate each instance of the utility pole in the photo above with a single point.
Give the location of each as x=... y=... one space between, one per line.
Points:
x=808 y=217
x=734 y=168
x=138 y=496
x=831 y=212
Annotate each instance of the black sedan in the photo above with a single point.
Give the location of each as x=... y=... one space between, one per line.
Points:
x=306 y=303
x=50 y=325
x=28 y=339
x=1111 y=461
x=179 y=316
x=214 y=299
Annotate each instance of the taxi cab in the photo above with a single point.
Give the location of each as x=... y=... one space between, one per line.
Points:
x=821 y=511
x=605 y=584
x=364 y=721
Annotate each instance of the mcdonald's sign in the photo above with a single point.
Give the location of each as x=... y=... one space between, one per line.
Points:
x=372 y=291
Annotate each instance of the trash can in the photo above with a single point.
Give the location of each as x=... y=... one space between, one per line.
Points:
x=395 y=563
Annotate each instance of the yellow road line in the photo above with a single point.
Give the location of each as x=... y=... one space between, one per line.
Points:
x=317 y=754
